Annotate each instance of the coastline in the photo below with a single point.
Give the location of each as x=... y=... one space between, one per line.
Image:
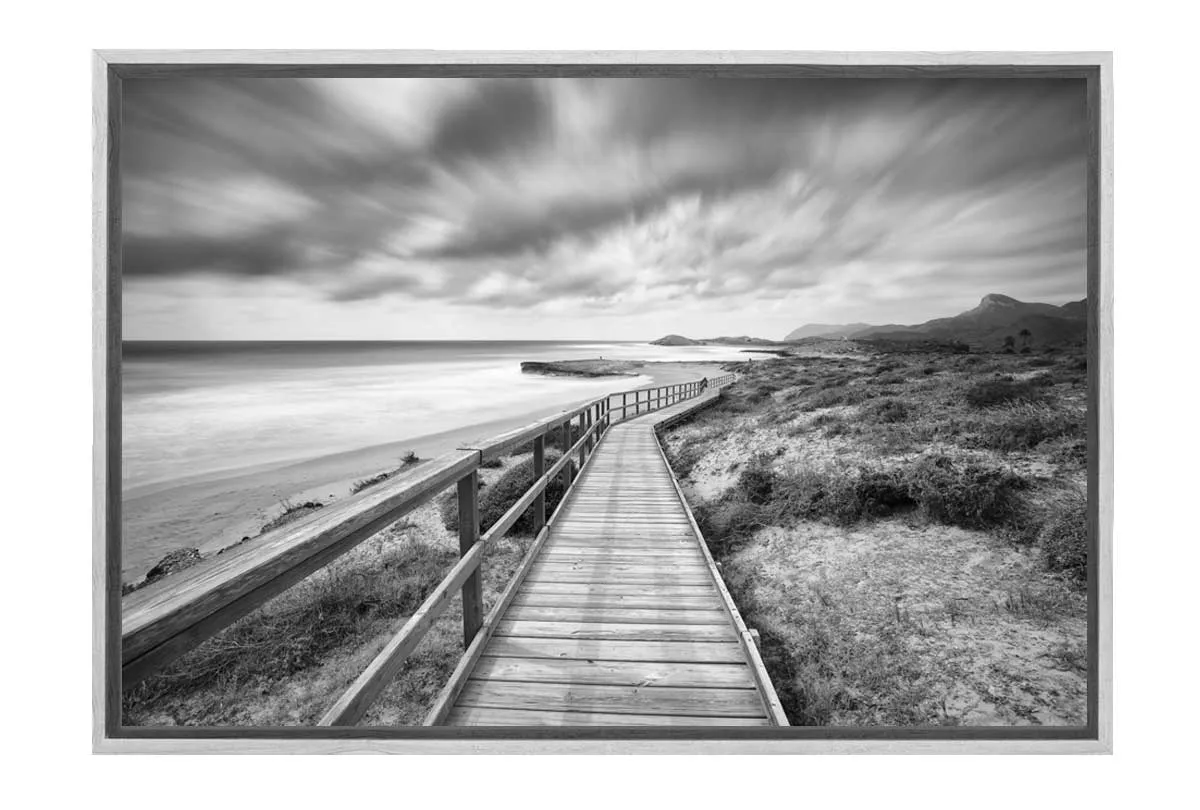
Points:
x=217 y=510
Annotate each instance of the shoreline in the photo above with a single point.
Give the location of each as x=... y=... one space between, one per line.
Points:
x=216 y=510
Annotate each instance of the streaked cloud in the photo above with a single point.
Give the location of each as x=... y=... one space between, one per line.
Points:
x=594 y=207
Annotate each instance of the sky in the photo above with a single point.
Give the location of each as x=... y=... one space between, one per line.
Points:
x=612 y=209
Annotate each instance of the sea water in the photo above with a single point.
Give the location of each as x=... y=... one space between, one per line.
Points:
x=196 y=408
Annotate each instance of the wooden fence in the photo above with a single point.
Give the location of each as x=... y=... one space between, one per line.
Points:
x=167 y=619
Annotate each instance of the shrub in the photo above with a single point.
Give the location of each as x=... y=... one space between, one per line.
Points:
x=964 y=493
x=1042 y=362
x=1023 y=426
x=501 y=495
x=1064 y=537
x=756 y=481
x=888 y=411
x=1000 y=391
x=410 y=458
x=880 y=492
x=928 y=370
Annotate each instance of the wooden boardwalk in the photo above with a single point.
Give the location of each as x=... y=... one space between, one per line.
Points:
x=621 y=617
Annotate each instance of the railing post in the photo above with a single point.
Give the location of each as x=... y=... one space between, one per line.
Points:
x=566 y=440
x=625 y=405
x=539 y=469
x=468 y=536
x=587 y=443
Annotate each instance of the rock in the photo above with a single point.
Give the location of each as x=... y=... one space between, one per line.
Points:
x=172 y=563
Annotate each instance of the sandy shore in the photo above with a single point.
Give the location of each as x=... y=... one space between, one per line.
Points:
x=218 y=510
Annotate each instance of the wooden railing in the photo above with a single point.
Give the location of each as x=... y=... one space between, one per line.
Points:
x=167 y=619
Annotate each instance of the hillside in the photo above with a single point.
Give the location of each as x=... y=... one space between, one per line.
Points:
x=826 y=330
x=995 y=318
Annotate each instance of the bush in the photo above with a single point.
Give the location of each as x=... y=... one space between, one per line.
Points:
x=1023 y=426
x=888 y=411
x=756 y=481
x=501 y=495
x=990 y=393
x=878 y=493
x=1064 y=538
x=964 y=493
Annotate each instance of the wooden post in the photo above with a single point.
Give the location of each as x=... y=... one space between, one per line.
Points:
x=587 y=444
x=625 y=405
x=468 y=536
x=539 y=469
x=566 y=439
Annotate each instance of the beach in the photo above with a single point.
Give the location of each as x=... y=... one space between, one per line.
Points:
x=212 y=508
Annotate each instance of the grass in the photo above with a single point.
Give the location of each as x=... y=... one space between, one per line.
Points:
x=987 y=451
x=1063 y=537
x=341 y=607
x=1025 y=425
x=993 y=393
x=410 y=458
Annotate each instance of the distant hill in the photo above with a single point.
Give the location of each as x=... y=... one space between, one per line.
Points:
x=987 y=325
x=675 y=340
x=825 y=330
x=680 y=340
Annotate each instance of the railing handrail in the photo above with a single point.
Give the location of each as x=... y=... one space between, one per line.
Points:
x=163 y=621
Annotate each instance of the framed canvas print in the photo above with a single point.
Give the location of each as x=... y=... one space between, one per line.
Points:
x=606 y=402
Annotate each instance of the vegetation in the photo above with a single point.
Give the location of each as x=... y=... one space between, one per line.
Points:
x=905 y=529
x=501 y=495
x=410 y=458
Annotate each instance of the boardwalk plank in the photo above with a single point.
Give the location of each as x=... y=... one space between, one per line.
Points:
x=668 y=700
x=619 y=614
x=622 y=631
x=619 y=620
x=473 y=716
x=614 y=673
x=617 y=650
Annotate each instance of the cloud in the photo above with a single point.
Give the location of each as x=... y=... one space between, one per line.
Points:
x=589 y=195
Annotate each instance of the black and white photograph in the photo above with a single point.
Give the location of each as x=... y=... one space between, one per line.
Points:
x=613 y=402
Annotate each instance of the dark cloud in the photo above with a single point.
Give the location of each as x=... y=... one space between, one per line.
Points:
x=501 y=115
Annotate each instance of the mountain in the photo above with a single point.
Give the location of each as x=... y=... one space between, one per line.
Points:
x=988 y=324
x=825 y=330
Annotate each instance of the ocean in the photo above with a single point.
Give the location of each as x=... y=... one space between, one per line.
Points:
x=199 y=408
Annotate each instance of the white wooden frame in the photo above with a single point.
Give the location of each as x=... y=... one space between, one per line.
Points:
x=1100 y=347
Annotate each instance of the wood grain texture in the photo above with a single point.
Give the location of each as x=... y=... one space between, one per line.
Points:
x=621 y=603
x=585 y=697
x=472 y=716
x=613 y=673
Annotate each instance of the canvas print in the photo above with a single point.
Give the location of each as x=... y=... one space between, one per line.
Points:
x=604 y=402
